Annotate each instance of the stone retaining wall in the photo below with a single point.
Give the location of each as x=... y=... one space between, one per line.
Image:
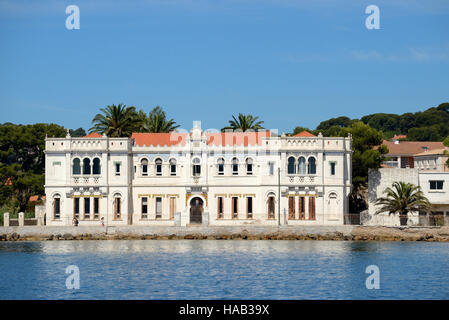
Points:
x=31 y=233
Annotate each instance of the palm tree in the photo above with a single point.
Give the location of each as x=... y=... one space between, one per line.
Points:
x=115 y=121
x=157 y=122
x=402 y=198
x=244 y=123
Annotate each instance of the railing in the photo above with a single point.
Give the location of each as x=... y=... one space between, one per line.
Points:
x=86 y=180
x=431 y=220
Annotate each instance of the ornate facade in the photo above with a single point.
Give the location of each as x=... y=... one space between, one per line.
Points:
x=180 y=179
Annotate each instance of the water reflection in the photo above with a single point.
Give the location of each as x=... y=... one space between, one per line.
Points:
x=182 y=246
x=237 y=269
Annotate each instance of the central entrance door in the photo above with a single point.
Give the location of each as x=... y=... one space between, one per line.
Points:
x=196 y=210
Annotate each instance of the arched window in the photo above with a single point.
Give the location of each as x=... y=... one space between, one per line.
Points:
x=86 y=166
x=302 y=165
x=117 y=206
x=235 y=166
x=249 y=166
x=158 y=167
x=57 y=206
x=271 y=203
x=220 y=166
x=96 y=166
x=173 y=167
x=76 y=169
x=144 y=167
x=312 y=166
x=291 y=169
x=196 y=167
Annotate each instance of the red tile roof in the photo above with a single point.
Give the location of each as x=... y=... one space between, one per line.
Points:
x=399 y=136
x=93 y=135
x=217 y=139
x=36 y=198
x=237 y=138
x=161 y=139
x=410 y=148
x=304 y=134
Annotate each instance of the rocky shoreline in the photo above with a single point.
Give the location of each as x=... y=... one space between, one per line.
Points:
x=345 y=233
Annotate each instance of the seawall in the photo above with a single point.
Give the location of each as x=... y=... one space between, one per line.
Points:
x=346 y=232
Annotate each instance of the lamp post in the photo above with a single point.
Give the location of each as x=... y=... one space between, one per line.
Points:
x=279 y=196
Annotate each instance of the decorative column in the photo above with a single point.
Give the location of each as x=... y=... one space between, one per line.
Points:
x=6 y=219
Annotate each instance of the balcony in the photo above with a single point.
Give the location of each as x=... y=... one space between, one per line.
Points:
x=86 y=180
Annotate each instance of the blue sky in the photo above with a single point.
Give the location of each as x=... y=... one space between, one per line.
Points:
x=292 y=63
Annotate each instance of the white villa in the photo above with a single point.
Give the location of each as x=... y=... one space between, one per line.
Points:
x=198 y=177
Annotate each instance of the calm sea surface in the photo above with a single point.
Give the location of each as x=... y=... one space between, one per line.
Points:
x=190 y=269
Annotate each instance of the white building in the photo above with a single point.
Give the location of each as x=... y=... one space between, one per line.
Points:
x=433 y=183
x=179 y=179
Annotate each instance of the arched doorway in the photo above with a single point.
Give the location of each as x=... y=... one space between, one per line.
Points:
x=196 y=210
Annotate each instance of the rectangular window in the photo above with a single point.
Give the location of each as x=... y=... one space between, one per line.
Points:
x=76 y=208
x=249 y=169
x=291 y=208
x=96 y=208
x=302 y=210
x=158 y=207
x=271 y=212
x=196 y=170
x=436 y=185
x=333 y=168
x=159 y=169
x=221 y=169
x=172 y=207
x=144 y=169
x=117 y=208
x=235 y=169
x=249 y=207
x=311 y=208
x=220 y=207
x=117 y=169
x=173 y=169
x=144 y=207
x=86 y=208
x=235 y=207
x=57 y=208
x=271 y=168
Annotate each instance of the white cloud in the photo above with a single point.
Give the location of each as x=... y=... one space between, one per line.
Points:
x=429 y=54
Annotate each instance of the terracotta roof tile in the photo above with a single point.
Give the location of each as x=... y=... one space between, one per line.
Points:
x=159 y=139
x=399 y=136
x=93 y=135
x=432 y=152
x=237 y=138
x=217 y=139
x=304 y=134
x=411 y=148
x=36 y=198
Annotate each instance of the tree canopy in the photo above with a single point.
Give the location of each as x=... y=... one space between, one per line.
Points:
x=429 y=125
x=157 y=121
x=244 y=123
x=402 y=198
x=121 y=121
x=22 y=160
x=115 y=121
